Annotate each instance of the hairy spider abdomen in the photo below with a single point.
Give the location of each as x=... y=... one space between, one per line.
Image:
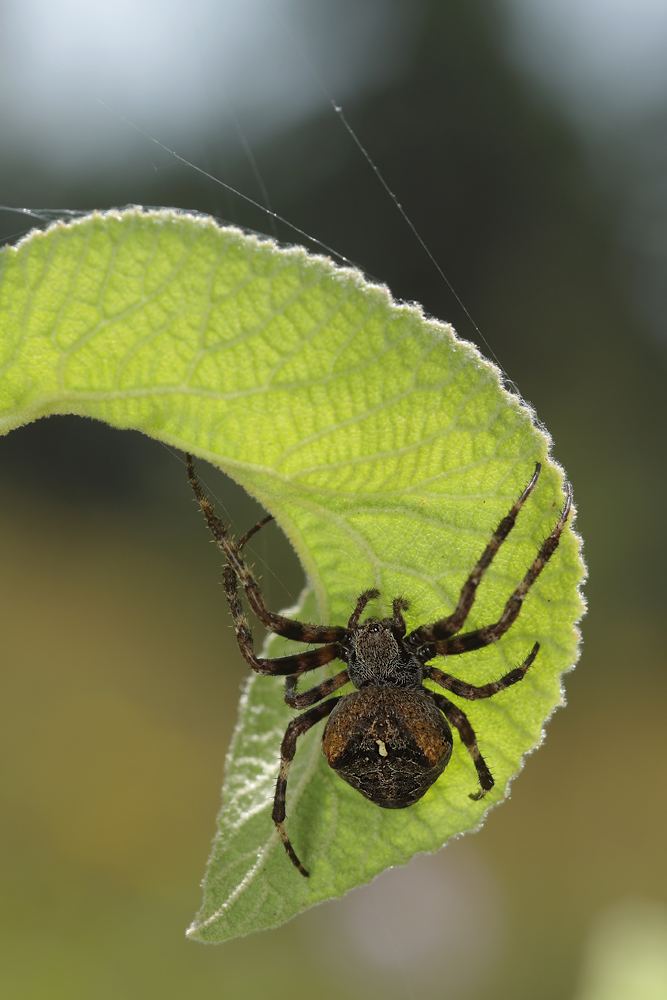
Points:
x=389 y=743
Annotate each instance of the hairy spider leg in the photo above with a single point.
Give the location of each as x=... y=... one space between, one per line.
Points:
x=445 y=627
x=471 y=691
x=362 y=601
x=313 y=694
x=296 y=663
x=461 y=722
x=296 y=728
x=399 y=604
x=287 y=627
x=491 y=633
x=253 y=531
x=279 y=665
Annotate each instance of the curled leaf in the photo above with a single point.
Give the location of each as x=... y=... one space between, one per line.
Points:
x=387 y=448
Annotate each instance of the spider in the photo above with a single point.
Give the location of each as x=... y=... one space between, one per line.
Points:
x=391 y=737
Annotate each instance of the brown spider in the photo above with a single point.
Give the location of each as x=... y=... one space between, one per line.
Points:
x=390 y=738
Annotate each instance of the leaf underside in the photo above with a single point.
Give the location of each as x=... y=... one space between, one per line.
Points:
x=388 y=450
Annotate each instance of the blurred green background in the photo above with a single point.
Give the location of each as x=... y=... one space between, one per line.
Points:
x=120 y=675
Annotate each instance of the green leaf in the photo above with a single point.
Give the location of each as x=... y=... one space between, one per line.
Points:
x=387 y=448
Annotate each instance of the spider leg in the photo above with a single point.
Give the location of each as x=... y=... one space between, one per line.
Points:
x=470 y=691
x=253 y=531
x=297 y=663
x=287 y=627
x=460 y=721
x=313 y=694
x=491 y=633
x=295 y=729
x=399 y=604
x=445 y=627
x=362 y=601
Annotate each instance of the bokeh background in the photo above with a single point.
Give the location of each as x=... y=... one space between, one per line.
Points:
x=526 y=140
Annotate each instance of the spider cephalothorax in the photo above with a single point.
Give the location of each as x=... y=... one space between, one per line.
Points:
x=391 y=737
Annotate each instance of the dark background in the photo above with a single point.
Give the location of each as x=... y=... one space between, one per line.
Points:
x=120 y=677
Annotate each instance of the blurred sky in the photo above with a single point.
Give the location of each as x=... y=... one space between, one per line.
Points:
x=173 y=67
x=605 y=64
x=176 y=68
x=604 y=58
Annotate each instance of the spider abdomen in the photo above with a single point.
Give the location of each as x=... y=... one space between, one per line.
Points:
x=389 y=743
